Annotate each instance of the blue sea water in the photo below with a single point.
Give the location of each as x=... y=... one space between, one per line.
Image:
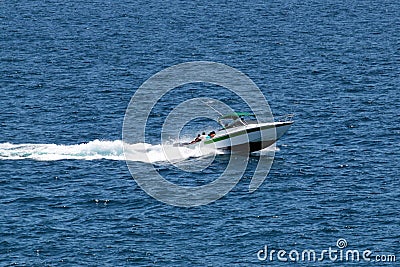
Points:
x=69 y=68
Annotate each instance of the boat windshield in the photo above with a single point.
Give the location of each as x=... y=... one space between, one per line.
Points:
x=235 y=119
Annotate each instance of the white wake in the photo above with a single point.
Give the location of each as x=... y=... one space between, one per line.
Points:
x=97 y=149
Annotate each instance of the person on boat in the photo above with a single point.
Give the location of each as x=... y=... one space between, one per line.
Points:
x=211 y=135
x=203 y=136
x=197 y=139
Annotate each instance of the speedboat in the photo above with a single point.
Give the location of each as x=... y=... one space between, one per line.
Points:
x=239 y=134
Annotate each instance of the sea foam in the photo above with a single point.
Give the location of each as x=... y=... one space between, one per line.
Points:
x=98 y=149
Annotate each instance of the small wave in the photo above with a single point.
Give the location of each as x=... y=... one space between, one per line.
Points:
x=161 y=153
x=269 y=151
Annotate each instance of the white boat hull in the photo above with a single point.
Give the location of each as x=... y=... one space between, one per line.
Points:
x=247 y=138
